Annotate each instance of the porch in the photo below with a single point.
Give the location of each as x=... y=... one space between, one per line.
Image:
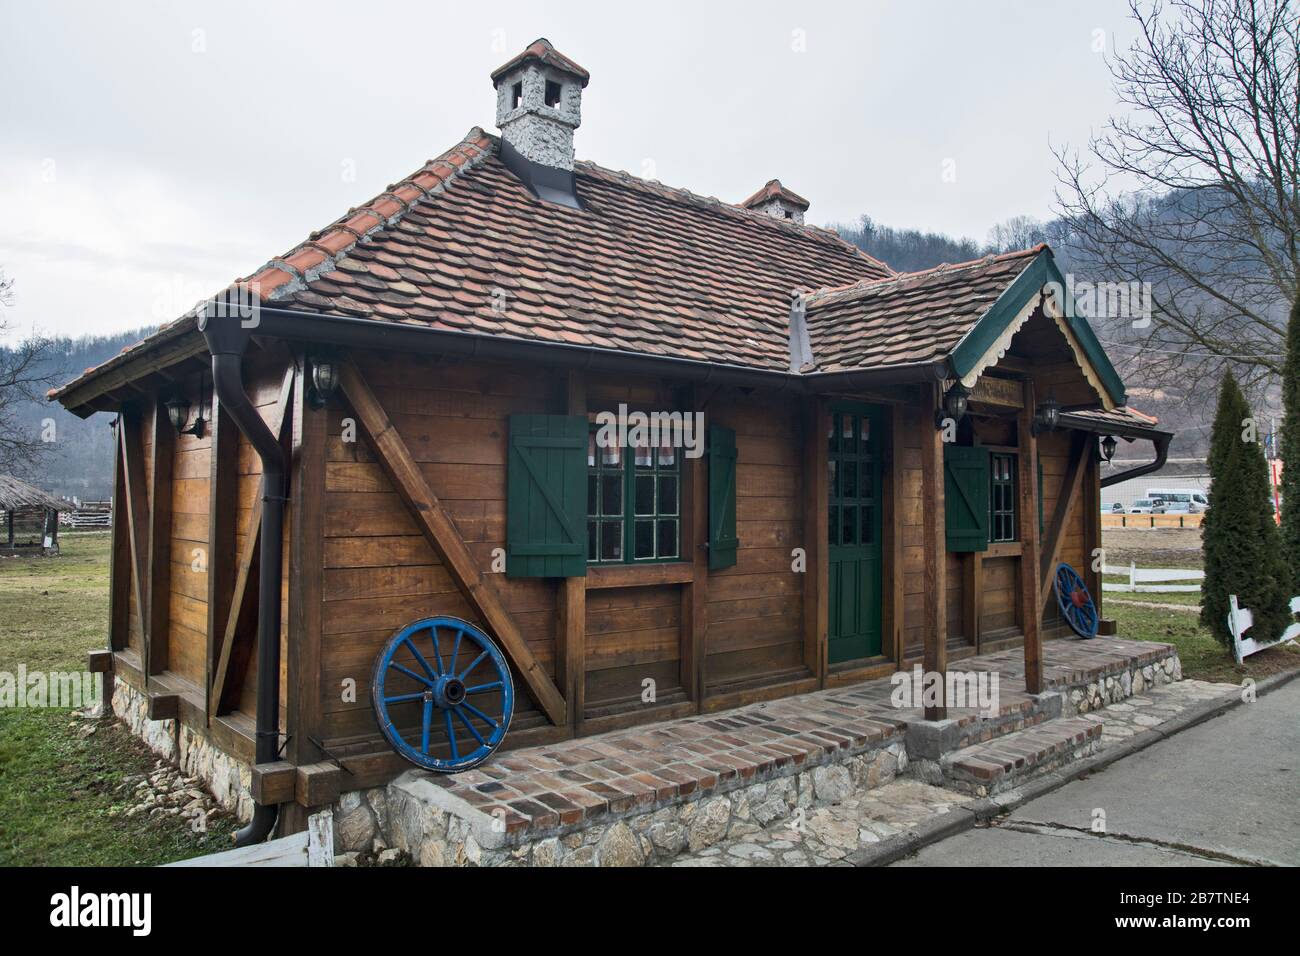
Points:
x=651 y=792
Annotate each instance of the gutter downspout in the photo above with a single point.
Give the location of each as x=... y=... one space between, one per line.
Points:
x=1162 y=453
x=227 y=339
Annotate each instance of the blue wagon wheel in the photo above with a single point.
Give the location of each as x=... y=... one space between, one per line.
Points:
x=1075 y=602
x=442 y=694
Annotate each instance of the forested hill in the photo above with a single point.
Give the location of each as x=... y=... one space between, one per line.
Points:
x=80 y=459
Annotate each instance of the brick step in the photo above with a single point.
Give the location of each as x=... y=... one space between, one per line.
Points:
x=988 y=768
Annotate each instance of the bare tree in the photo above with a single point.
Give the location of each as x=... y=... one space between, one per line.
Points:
x=24 y=376
x=1195 y=192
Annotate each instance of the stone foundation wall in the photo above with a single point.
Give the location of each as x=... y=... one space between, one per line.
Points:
x=228 y=779
x=1115 y=687
x=417 y=817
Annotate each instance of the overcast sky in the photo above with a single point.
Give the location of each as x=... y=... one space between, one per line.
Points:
x=152 y=151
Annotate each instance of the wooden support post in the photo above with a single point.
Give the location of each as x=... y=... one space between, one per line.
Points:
x=935 y=658
x=162 y=454
x=816 y=584
x=571 y=648
x=892 y=523
x=1092 y=521
x=440 y=531
x=119 y=552
x=695 y=592
x=306 y=570
x=1031 y=605
x=223 y=505
x=136 y=514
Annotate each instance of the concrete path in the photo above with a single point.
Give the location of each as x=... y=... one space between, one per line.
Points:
x=1226 y=792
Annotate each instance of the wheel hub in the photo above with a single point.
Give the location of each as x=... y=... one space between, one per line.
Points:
x=448 y=691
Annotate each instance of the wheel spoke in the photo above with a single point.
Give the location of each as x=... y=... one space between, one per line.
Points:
x=484 y=688
x=478 y=660
x=465 y=720
x=437 y=651
x=404 y=697
x=479 y=714
x=411 y=674
x=424 y=733
x=455 y=651
x=451 y=735
x=420 y=657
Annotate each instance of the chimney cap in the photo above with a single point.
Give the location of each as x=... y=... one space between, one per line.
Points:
x=541 y=51
x=774 y=190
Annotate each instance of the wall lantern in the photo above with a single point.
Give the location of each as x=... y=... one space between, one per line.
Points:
x=324 y=381
x=1048 y=414
x=1108 y=446
x=178 y=413
x=955 y=401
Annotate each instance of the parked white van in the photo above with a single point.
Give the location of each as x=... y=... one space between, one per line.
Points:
x=1181 y=500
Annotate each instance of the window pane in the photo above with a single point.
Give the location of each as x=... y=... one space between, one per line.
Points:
x=644 y=455
x=644 y=533
x=667 y=538
x=868 y=488
x=668 y=495
x=591 y=540
x=593 y=505
x=645 y=494
x=834 y=524
x=849 y=480
x=611 y=495
x=591 y=449
x=868 y=532
x=667 y=456
x=865 y=437
x=835 y=430
x=611 y=455
x=849 y=519
x=846 y=433
x=834 y=477
x=611 y=541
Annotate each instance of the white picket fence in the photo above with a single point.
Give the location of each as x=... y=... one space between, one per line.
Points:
x=1241 y=620
x=1152 y=580
x=312 y=847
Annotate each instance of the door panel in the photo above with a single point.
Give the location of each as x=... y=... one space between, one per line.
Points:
x=854 y=628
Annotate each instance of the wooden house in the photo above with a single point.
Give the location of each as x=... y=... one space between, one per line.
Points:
x=887 y=468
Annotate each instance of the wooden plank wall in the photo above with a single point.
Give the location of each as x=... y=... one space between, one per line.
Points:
x=188 y=611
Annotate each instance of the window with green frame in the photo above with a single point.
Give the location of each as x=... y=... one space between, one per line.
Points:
x=1002 y=497
x=633 y=503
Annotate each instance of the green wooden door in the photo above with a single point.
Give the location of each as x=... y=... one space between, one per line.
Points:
x=854 y=629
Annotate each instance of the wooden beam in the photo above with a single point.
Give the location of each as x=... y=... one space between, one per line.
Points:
x=571 y=636
x=1065 y=500
x=306 y=571
x=935 y=655
x=1031 y=607
x=318 y=783
x=223 y=512
x=162 y=453
x=695 y=595
x=119 y=594
x=1092 y=522
x=972 y=596
x=892 y=524
x=137 y=512
x=440 y=530
x=165 y=706
x=100 y=662
x=232 y=660
x=816 y=538
x=274 y=783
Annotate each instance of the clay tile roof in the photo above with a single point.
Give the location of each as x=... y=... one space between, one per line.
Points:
x=774 y=190
x=1122 y=420
x=541 y=51
x=911 y=318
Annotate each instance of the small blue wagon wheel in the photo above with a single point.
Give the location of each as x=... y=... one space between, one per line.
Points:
x=442 y=694
x=1075 y=602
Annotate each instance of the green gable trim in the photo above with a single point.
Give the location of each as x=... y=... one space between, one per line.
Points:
x=998 y=318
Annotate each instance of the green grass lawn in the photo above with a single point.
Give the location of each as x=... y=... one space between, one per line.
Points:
x=62 y=789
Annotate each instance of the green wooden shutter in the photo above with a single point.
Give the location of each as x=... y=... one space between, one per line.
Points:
x=966 y=497
x=722 y=497
x=546 y=497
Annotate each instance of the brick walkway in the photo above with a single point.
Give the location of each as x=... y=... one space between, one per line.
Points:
x=575 y=782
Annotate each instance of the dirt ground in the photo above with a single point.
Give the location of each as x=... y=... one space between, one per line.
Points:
x=1153 y=547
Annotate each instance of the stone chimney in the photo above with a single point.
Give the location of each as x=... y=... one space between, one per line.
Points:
x=539 y=105
x=778 y=202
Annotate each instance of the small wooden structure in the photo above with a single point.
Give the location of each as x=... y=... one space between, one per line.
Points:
x=31 y=518
x=881 y=477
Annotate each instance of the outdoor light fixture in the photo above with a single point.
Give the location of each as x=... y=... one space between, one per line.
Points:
x=1048 y=414
x=324 y=380
x=955 y=401
x=178 y=412
x=1108 y=445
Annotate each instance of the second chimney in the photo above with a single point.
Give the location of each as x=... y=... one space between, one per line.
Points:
x=778 y=202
